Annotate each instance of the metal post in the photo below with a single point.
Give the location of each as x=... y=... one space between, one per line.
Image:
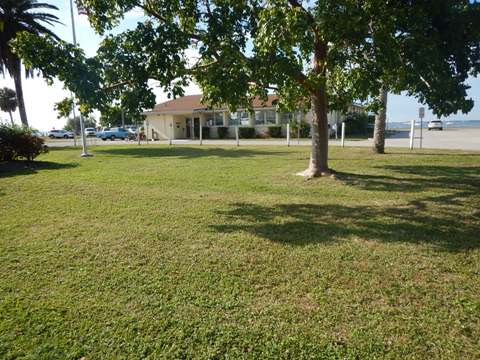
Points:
x=138 y=131
x=421 y=114
x=412 y=133
x=343 y=133
x=123 y=118
x=74 y=120
x=236 y=135
x=288 y=134
x=82 y=128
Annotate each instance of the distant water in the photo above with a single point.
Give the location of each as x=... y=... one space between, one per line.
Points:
x=452 y=124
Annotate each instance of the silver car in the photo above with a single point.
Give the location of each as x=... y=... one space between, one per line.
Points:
x=90 y=132
x=435 y=125
x=60 y=134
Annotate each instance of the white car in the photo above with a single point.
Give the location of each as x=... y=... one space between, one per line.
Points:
x=435 y=125
x=60 y=134
x=90 y=132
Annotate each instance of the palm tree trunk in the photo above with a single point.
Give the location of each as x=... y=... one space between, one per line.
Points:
x=17 y=78
x=380 y=122
x=11 y=117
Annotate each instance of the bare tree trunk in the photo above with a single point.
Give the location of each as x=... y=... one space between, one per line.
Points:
x=380 y=121
x=17 y=78
x=11 y=118
x=318 y=165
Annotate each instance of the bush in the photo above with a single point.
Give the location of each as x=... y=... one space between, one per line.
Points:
x=304 y=129
x=205 y=132
x=222 y=132
x=275 y=131
x=19 y=143
x=246 y=132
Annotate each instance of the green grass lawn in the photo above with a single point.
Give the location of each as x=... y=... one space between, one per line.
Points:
x=204 y=252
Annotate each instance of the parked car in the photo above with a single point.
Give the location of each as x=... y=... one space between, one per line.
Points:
x=113 y=133
x=435 y=125
x=60 y=134
x=90 y=132
x=132 y=129
x=37 y=133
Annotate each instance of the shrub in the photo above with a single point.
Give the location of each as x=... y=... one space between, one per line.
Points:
x=304 y=129
x=246 y=132
x=19 y=143
x=205 y=132
x=222 y=132
x=275 y=131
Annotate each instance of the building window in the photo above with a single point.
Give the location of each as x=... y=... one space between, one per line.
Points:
x=234 y=119
x=243 y=115
x=259 y=117
x=286 y=118
x=215 y=119
x=270 y=117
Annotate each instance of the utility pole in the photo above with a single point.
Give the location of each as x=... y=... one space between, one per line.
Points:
x=82 y=127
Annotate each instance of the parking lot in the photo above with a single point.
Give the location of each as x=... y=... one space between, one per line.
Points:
x=459 y=139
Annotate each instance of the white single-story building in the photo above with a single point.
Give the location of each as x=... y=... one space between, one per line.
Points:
x=182 y=118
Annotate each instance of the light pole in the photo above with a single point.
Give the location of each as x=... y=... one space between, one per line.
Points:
x=82 y=127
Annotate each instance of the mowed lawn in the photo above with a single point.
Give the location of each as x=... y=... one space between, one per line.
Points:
x=203 y=252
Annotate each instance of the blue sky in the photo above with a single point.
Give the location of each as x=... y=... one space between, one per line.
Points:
x=40 y=97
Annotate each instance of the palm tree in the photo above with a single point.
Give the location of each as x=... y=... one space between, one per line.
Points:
x=8 y=101
x=17 y=16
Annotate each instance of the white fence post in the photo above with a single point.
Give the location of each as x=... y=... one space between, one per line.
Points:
x=236 y=135
x=343 y=134
x=412 y=134
x=146 y=131
x=288 y=134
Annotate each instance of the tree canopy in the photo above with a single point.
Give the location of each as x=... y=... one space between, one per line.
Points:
x=18 y=16
x=319 y=55
x=8 y=100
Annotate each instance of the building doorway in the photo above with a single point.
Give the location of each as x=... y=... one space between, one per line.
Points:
x=192 y=128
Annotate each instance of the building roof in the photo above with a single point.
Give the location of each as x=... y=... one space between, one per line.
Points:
x=192 y=103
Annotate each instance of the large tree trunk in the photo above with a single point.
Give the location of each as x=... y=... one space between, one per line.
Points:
x=17 y=78
x=319 y=156
x=318 y=165
x=380 y=122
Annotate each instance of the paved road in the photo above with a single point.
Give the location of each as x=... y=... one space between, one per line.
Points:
x=457 y=139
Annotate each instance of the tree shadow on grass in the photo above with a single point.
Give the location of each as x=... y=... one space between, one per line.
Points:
x=17 y=168
x=460 y=180
x=186 y=152
x=304 y=224
x=437 y=216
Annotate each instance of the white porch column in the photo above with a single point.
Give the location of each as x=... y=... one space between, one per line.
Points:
x=251 y=118
x=226 y=117
x=277 y=117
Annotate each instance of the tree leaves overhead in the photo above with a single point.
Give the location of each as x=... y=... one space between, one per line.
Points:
x=236 y=50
